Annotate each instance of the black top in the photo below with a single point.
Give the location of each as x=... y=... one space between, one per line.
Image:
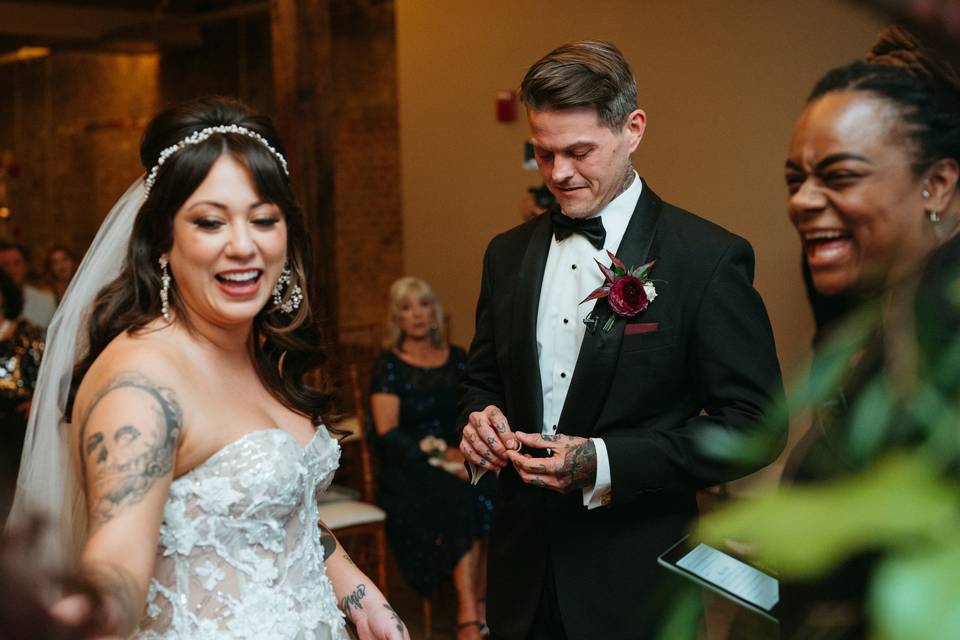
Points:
x=433 y=517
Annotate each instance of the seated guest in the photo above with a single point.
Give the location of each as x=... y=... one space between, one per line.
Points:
x=21 y=347
x=435 y=519
x=58 y=268
x=38 y=305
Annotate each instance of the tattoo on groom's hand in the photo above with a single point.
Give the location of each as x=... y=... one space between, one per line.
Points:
x=487 y=438
x=571 y=465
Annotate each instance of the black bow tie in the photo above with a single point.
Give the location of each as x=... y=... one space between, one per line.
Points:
x=591 y=228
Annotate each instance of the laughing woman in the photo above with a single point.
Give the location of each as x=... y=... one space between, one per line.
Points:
x=872 y=175
x=196 y=446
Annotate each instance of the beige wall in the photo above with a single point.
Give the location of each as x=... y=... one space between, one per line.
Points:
x=721 y=83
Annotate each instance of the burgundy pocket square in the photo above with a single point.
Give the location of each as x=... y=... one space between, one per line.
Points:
x=640 y=327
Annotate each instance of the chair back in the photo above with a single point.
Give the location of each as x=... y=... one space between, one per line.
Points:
x=359 y=408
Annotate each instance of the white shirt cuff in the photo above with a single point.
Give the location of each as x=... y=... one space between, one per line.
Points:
x=599 y=494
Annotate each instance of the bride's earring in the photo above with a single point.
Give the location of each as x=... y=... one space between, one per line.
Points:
x=165 y=288
x=296 y=293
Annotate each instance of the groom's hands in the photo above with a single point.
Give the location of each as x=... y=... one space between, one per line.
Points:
x=572 y=463
x=487 y=438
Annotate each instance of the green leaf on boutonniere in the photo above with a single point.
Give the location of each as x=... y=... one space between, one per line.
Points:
x=618 y=267
x=641 y=272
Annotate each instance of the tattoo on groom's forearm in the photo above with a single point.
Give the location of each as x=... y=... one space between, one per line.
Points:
x=353 y=601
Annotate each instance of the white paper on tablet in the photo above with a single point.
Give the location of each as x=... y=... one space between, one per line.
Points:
x=739 y=578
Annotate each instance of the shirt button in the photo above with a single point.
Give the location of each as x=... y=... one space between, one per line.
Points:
x=574 y=267
x=563 y=374
x=565 y=321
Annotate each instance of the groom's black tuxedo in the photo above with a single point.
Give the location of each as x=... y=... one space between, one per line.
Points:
x=704 y=355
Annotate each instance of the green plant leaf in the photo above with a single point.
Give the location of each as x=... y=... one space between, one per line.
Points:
x=872 y=414
x=915 y=596
x=804 y=531
x=682 y=621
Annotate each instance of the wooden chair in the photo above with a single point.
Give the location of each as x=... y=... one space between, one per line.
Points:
x=360 y=524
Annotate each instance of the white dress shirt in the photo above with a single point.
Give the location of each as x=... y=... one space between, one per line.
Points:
x=571 y=274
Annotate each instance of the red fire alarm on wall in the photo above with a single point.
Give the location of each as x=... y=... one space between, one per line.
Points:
x=506 y=106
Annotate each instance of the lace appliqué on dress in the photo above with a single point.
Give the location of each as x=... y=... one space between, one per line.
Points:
x=239 y=553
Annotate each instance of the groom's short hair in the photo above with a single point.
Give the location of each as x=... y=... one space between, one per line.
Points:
x=587 y=73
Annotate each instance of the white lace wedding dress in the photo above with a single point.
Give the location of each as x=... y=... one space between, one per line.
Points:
x=239 y=553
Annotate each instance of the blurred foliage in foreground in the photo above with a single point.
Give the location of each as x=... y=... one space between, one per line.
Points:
x=895 y=425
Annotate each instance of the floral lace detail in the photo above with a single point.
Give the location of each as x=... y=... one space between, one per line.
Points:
x=239 y=553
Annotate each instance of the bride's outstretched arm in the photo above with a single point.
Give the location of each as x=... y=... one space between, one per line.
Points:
x=360 y=599
x=125 y=436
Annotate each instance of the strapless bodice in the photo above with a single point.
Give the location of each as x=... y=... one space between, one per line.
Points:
x=239 y=554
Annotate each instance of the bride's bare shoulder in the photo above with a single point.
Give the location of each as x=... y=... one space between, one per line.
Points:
x=153 y=356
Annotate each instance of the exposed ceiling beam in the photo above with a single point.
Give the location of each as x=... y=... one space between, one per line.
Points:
x=114 y=29
x=66 y=22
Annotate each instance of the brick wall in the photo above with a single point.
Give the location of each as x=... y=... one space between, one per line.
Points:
x=367 y=183
x=74 y=123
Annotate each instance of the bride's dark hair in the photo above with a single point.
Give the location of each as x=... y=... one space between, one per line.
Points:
x=285 y=346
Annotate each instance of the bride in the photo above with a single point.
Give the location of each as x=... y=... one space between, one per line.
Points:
x=195 y=445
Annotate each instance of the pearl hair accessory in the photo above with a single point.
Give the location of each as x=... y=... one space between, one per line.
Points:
x=165 y=288
x=203 y=134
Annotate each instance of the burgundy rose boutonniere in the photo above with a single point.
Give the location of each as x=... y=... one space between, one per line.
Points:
x=628 y=291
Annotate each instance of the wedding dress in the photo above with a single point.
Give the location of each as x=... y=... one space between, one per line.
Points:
x=239 y=554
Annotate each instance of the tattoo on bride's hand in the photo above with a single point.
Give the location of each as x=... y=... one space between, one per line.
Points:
x=127 y=462
x=353 y=602
x=396 y=619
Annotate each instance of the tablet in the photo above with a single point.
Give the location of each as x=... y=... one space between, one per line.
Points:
x=724 y=574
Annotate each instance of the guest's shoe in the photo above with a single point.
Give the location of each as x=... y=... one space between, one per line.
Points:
x=482 y=608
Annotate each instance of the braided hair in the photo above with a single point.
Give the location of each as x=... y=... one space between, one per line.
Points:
x=924 y=88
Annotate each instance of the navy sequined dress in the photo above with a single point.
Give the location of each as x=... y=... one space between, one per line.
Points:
x=433 y=517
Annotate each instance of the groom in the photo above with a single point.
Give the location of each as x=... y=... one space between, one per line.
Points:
x=608 y=397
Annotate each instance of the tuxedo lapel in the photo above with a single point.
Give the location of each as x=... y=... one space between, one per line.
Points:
x=525 y=383
x=600 y=349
